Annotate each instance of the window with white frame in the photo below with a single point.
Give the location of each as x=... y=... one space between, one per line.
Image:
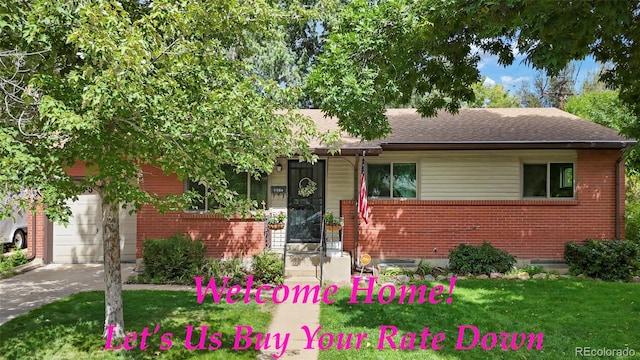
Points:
x=245 y=185
x=548 y=180
x=392 y=180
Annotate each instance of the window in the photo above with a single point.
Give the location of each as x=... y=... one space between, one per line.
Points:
x=394 y=180
x=551 y=180
x=242 y=183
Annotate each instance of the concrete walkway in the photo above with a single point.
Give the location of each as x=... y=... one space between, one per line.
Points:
x=289 y=318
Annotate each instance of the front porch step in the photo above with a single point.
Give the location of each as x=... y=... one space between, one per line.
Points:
x=302 y=260
x=301 y=280
x=302 y=264
x=305 y=247
x=306 y=264
x=305 y=272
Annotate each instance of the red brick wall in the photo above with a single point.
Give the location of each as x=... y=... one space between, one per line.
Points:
x=527 y=229
x=224 y=238
x=78 y=169
x=38 y=219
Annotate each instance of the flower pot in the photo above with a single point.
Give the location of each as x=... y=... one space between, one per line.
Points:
x=333 y=227
x=276 y=226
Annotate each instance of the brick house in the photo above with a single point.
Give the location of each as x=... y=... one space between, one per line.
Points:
x=526 y=180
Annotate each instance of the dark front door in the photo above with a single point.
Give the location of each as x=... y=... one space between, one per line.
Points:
x=305 y=204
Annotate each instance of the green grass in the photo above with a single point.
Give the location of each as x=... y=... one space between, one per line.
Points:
x=569 y=313
x=72 y=328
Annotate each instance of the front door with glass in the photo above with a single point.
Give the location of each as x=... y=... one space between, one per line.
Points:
x=305 y=201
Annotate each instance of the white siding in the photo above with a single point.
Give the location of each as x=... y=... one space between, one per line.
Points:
x=278 y=178
x=277 y=203
x=396 y=156
x=469 y=178
x=479 y=175
x=340 y=182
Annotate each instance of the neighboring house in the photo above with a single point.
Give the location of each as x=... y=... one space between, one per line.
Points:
x=525 y=180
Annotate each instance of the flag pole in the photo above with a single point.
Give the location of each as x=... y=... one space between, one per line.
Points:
x=356 y=214
x=359 y=213
x=363 y=207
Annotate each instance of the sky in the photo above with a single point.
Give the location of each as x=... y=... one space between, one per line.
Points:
x=512 y=76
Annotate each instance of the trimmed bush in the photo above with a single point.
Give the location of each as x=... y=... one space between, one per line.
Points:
x=267 y=268
x=8 y=262
x=603 y=259
x=231 y=268
x=176 y=259
x=476 y=260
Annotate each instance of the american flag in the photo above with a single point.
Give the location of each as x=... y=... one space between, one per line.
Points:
x=363 y=208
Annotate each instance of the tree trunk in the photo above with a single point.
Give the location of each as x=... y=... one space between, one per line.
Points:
x=112 y=273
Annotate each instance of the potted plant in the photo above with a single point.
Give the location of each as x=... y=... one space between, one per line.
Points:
x=332 y=222
x=276 y=222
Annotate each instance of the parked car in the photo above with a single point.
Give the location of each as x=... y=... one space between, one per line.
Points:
x=13 y=230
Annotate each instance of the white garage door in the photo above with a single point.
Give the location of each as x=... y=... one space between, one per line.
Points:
x=81 y=240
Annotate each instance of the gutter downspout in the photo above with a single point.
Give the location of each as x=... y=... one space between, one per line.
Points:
x=617 y=199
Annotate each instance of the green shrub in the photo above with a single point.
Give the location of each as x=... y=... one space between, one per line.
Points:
x=231 y=268
x=530 y=269
x=603 y=259
x=423 y=268
x=18 y=258
x=176 y=259
x=146 y=279
x=632 y=220
x=8 y=262
x=395 y=271
x=267 y=268
x=632 y=206
x=534 y=269
x=483 y=259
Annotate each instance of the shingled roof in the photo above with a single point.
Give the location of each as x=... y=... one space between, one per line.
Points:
x=512 y=128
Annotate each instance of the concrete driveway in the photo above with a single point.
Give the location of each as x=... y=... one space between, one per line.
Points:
x=30 y=290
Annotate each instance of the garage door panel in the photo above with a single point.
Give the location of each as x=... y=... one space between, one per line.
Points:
x=70 y=240
x=76 y=255
x=81 y=240
x=84 y=230
x=82 y=221
x=128 y=233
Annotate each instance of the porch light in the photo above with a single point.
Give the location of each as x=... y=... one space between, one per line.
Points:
x=278 y=167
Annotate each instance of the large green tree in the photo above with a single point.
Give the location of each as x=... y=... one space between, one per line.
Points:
x=120 y=84
x=603 y=107
x=384 y=52
x=491 y=96
x=549 y=90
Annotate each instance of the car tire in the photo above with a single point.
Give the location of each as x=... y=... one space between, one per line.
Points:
x=19 y=240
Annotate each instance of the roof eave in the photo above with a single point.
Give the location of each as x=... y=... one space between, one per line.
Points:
x=511 y=145
x=368 y=150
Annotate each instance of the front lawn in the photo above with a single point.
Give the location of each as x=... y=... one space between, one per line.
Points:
x=570 y=314
x=72 y=327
